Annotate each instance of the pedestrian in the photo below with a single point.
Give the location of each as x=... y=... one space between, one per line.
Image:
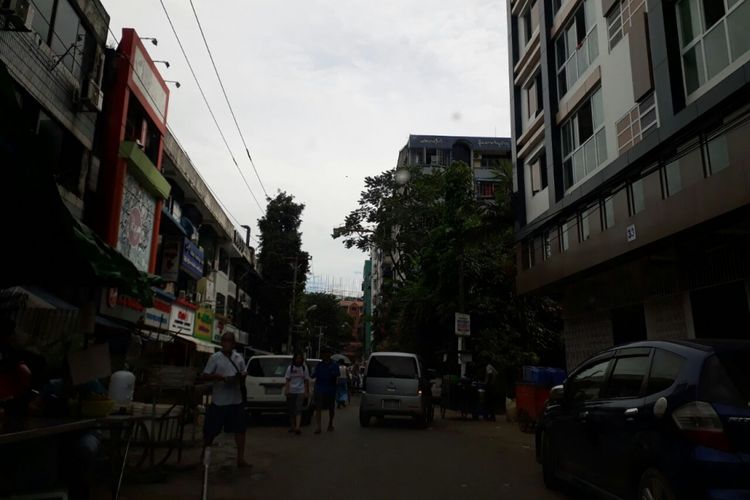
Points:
x=226 y=369
x=342 y=386
x=297 y=390
x=490 y=382
x=326 y=378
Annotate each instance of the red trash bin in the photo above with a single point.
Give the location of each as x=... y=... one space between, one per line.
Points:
x=530 y=401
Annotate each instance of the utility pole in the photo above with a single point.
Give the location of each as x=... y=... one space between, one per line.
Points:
x=320 y=338
x=291 y=305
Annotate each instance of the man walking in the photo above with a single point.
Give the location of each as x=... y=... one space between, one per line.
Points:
x=226 y=369
x=326 y=377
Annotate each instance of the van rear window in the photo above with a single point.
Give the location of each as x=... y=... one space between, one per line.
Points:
x=726 y=379
x=392 y=367
x=268 y=367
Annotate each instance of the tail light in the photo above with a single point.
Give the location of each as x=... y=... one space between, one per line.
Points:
x=700 y=422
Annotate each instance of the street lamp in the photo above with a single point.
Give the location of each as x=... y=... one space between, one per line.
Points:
x=165 y=63
x=175 y=82
x=153 y=40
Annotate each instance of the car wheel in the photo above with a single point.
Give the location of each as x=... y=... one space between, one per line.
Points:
x=654 y=486
x=549 y=463
x=364 y=419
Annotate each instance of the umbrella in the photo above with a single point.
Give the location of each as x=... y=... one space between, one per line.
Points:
x=341 y=357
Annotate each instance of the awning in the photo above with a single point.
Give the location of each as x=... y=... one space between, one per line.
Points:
x=41 y=299
x=200 y=345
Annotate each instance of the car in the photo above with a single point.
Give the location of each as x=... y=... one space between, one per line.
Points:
x=653 y=419
x=265 y=385
x=395 y=384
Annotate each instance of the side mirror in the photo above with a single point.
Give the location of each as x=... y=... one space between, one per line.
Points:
x=557 y=393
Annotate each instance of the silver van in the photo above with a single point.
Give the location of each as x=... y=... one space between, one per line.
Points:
x=395 y=384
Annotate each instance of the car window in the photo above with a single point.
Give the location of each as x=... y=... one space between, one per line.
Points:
x=587 y=384
x=726 y=379
x=665 y=369
x=627 y=377
x=392 y=367
x=268 y=367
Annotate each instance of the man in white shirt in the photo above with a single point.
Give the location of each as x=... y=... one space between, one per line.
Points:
x=297 y=390
x=226 y=369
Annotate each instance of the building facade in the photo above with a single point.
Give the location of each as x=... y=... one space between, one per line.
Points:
x=630 y=165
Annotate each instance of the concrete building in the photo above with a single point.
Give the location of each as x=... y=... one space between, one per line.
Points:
x=630 y=120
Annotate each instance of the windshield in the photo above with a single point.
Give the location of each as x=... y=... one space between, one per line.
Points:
x=726 y=379
x=392 y=367
x=268 y=367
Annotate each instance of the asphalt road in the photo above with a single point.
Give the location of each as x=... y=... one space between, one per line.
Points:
x=394 y=460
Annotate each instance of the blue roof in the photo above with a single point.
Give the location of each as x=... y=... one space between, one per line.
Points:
x=498 y=144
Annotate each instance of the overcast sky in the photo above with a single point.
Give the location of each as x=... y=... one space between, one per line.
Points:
x=326 y=93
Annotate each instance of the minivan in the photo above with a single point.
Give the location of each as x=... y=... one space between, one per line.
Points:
x=395 y=384
x=265 y=385
x=654 y=419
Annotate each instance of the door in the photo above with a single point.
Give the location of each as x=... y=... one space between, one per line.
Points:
x=571 y=438
x=266 y=380
x=393 y=376
x=618 y=421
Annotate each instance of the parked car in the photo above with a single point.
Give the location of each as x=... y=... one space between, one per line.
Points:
x=661 y=420
x=395 y=384
x=265 y=385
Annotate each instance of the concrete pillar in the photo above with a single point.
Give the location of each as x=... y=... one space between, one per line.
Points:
x=669 y=318
x=585 y=336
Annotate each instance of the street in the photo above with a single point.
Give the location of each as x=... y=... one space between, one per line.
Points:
x=453 y=459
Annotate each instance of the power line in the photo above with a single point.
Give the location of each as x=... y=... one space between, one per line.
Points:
x=205 y=100
x=226 y=98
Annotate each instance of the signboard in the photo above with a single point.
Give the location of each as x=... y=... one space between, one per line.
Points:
x=631 y=233
x=463 y=325
x=182 y=319
x=121 y=307
x=204 y=323
x=158 y=316
x=192 y=259
x=136 y=223
x=220 y=328
x=239 y=242
x=149 y=84
x=170 y=260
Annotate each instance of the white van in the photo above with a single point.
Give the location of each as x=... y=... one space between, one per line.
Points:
x=265 y=385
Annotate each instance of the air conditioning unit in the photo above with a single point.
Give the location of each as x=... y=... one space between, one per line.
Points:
x=19 y=13
x=92 y=97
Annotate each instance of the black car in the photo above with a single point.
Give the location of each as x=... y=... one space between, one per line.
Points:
x=653 y=420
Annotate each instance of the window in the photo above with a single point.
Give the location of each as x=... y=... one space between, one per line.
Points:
x=529 y=257
x=587 y=384
x=547 y=243
x=608 y=212
x=717 y=154
x=402 y=367
x=614 y=25
x=637 y=123
x=637 y=197
x=565 y=230
x=673 y=178
x=627 y=377
x=584 y=141
x=486 y=189
x=576 y=48
x=492 y=161
x=268 y=367
x=726 y=379
x=665 y=369
x=223 y=261
x=712 y=35
x=59 y=26
x=220 y=303
x=532 y=102
x=538 y=174
x=585 y=223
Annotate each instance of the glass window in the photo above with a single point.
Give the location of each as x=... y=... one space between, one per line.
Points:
x=726 y=379
x=692 y=62
x=585 y=122
x=268 y=367
x=565 y=236
x=689 y=20
x=220 y=303
x=609 y=212
x=67 y=29
x=586 y=224
x=42 y=18
x=739 y=35
x=402 y=367
x=665 y=369
x=627 y=377
x=597 y=109
x=717 y=52
x=638 y=197
x=674 y=177
x=567 y=138
x=718 y=153
x=713 y=11
x=601 y=146
x=587 y=384
x=547 y=245
x=589 y=150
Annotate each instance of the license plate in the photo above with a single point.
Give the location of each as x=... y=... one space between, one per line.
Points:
x=273 y=391
x=391 y=404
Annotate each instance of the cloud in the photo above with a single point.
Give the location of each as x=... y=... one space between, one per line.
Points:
x=326 y=93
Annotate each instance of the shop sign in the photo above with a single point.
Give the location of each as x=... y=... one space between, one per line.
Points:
x=243 y=338
x=170 y=261
x=158 y=316
x=148 y=83
x=204 y=323
x=182 y=319
x=136 y=223
x=121 y=307
x=192 y=259
x=220 y=328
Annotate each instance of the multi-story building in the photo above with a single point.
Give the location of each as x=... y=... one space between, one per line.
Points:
x=630 y=120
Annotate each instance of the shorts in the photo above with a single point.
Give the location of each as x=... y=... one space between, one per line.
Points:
x=324 y=401
x=295 y=402
x=229 y=418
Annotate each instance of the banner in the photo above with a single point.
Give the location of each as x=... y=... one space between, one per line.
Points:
x=204 y=323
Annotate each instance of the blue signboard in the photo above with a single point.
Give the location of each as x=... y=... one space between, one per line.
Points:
x=192 y=259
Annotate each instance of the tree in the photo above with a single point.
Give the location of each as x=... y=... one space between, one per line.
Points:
x=324 y=315
x=453 y=253
x=280 y=251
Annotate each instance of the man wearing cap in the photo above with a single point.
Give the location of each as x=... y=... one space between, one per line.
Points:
x=326 y=376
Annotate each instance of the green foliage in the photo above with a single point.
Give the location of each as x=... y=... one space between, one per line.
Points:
x=450 y=252
x=280 y=247
x=321 y=313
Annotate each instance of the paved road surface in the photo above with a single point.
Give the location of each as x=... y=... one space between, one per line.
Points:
x=452 y=460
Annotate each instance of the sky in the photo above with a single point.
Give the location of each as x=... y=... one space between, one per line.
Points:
x=326 y=92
